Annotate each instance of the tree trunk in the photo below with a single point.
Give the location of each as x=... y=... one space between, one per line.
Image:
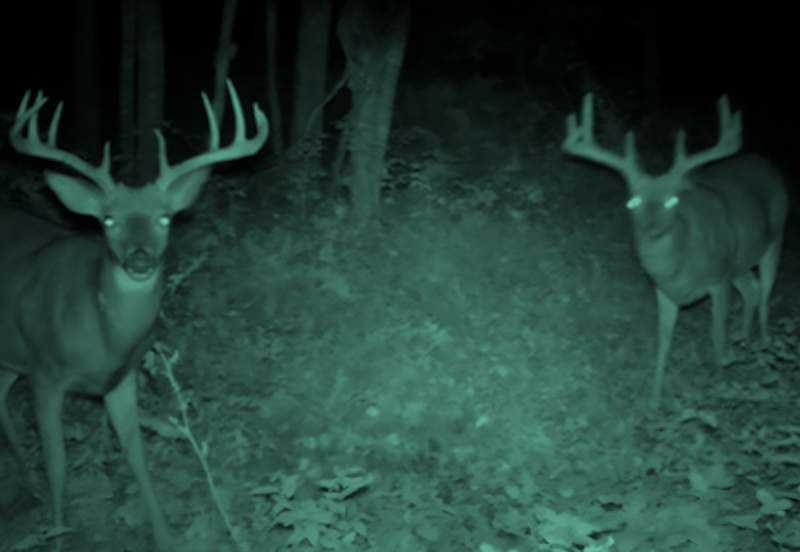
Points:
x=127 y=91
x=85 y=101
x=373 y=36
x=653 y=58
x=150 y=98
x=310 y=67
x=226 y=51
x=276 y=121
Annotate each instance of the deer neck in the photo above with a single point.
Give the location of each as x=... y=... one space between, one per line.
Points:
x=666 y=259
x=130 y=307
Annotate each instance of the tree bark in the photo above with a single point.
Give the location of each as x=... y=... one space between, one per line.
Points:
x=85 y=100
x=310 y=67
x=150 y=98
x=127 y=91
x=373 y=36
x=226 y=51
x=653 y=58
x=276 y=126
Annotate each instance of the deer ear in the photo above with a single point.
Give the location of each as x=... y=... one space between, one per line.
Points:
x=183 y=192
x=77 y=194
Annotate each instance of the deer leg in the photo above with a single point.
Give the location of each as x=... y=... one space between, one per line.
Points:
x=48 y=404
x=7 y=379
x=121 y=406
x=720 y=299
x=748 y=287
x=667 y=316
x=768 y=270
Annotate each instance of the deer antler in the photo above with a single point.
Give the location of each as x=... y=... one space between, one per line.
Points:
x=240 y=147
x=580 y=142
x=32 y=144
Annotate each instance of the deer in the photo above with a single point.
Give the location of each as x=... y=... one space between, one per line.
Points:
x=78 y=312
x=713 y=220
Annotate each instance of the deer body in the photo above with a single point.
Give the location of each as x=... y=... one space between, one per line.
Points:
x=89 y=351
x=727 y=216
x=77 y=312
x=702 y=226
x=74 y=321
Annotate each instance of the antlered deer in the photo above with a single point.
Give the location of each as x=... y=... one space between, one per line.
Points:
x=703 y=225
x=78 y=313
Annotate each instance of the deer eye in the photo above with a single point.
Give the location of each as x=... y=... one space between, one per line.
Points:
x=672 y=202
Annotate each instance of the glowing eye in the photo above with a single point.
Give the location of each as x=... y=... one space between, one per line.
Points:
x=108 y=222
x=164 y=220
x=634 y=202
x=671 y=202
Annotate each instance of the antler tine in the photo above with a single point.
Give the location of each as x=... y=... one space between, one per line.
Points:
x=28 y=115
x=239 y=148
x=729 y=142
x=213 y=127
x=24 y=113
x=52 y=130
x=238 y=115
x=580 y=142
x=587 y=115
